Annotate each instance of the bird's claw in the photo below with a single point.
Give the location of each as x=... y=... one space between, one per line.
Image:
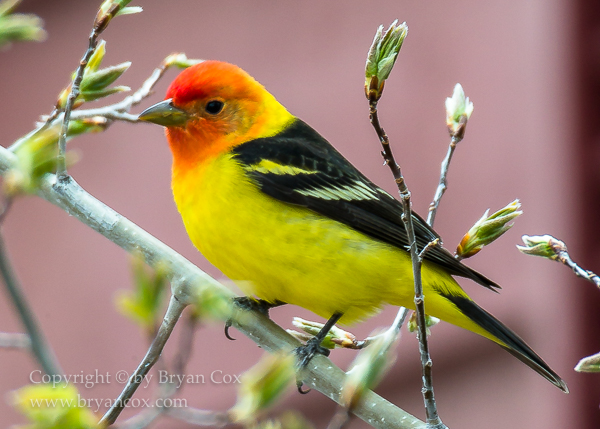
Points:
x=260 y=305
x=307 y=352
x=227 y=326
x=299 y=387
x=250 y=304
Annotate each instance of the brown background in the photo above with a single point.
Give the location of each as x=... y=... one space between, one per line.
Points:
x=529 y=68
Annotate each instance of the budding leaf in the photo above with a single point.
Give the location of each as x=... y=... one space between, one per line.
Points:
x=336 y=337
x=18 y=27
x=144 y=304
x=213 y=304
x=368 y=368
x=130 y=10
x=262 y=384
x=53 y=407
x=488 y=229
x=96 y=58
x=95 y=82
x=458 y=112
x=589 y=364
x=111 y=8
x=36 y=156
x=545 y=246
x=382 y=57
x=180 y=60
x=413 y=324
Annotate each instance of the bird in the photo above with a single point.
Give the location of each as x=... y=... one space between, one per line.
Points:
x=279 y=211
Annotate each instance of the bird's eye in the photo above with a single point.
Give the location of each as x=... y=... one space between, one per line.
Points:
x=214 y=106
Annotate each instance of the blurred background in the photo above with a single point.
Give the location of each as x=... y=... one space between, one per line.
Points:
x=532 y=70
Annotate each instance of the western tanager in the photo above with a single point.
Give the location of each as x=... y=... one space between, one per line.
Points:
x=276 y=208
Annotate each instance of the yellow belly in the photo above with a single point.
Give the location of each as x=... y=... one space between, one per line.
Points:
x=277 y=251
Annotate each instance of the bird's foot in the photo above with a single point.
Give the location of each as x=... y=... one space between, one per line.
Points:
x=260 y=305
x=250 y=304
x=306 y=352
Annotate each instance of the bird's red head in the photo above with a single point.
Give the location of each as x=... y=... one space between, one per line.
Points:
x=212 y=107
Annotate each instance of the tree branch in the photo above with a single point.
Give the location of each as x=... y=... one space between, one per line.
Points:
x=39 y=346
x=443 y=184
x=433 y=419
x=188 y=281
x=61 y=163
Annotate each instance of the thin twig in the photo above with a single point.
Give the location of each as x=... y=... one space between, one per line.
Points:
x=61 y=160
x=564 y=258
x=398 y=322
x=552 y=248
x=141 y=420
x=114 y=112
x=184 y=352
x=433 y=419
x=39 y=346
x=443 y=184
x=164 y=332
x=14 y=341
x=111 y=115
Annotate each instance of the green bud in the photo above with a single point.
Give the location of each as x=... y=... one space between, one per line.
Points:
x=37 y=155
x=111 y=8
x=95 y=95
x=262 y=384
x=368 y=368
x=336 y=337
x=412 y=324
x=16 y=27
x=95 y=82
x=589 y=364
x=488 y=229
x=213 y=304
x=382 y=57
x=545 y=246
x=96 y=59
x=129 y=10
x=180 y=60
x=458 y=112
x=8 y=6
x=144 y=305
x=49 y=406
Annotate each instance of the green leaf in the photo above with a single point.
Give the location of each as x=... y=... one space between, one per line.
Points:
x=262 y=384
x=145 y=303
x=53 y=407
x=589 y=364
x=19 y=27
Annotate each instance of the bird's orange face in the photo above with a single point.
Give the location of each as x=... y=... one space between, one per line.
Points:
x=211 y=107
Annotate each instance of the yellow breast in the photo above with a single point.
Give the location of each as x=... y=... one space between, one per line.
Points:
x=278 y=251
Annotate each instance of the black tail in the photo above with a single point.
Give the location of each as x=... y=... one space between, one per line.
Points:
x=512 y=342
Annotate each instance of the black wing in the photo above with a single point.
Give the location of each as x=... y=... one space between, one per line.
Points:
x=298 y=166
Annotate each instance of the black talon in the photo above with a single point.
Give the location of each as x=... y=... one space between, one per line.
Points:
x=307 y=352
x=227 y=326
x=250 y=304
x=313 y=346
x=299 y=386
x=260 y=305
